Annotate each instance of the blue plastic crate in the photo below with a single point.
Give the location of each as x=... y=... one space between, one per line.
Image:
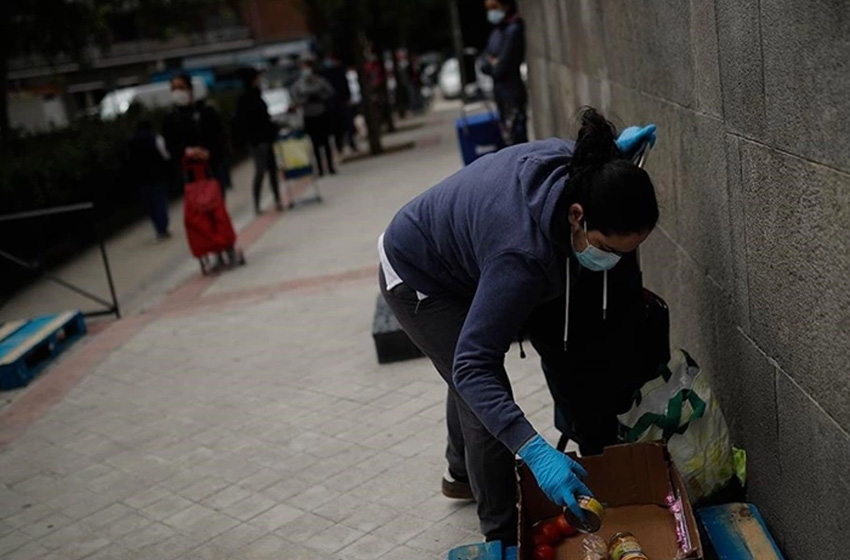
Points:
x=479 y=135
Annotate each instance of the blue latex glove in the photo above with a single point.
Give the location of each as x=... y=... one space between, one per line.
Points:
x=556 y=474
x=632 y=137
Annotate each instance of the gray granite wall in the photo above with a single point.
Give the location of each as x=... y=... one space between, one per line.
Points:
x=752 y=102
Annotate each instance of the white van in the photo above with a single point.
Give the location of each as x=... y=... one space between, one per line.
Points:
x=149 y=96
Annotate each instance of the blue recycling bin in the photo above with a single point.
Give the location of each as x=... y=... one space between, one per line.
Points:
x=479 y=135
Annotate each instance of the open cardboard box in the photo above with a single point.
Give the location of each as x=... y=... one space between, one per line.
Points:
x=633 y=481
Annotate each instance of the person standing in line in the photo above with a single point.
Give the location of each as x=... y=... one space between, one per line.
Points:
x=255 y=127
x=314 y=95
x=148 y=168
x=195 y=129
x=503 y=57
x=335 y=74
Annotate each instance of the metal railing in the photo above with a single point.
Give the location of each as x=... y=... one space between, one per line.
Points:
x=109 y=308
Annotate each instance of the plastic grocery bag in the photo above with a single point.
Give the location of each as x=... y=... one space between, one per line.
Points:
x=294 y=152
x=680 y=409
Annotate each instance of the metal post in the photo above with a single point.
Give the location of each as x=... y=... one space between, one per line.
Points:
x=109 y=276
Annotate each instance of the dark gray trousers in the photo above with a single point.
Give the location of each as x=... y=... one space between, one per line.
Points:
x=434 y=325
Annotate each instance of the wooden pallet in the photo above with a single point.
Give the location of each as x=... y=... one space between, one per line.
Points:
x=738 y=532
x=26 y=347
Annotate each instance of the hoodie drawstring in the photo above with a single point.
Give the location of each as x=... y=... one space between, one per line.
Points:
x=604 y=294
x=567 y=307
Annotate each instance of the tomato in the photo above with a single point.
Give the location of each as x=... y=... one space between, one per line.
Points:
x=539 y=538
x=550 y=532
x=564 y=526
x=544 y=552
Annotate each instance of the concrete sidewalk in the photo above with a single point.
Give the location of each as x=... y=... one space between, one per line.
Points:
x=245 y=416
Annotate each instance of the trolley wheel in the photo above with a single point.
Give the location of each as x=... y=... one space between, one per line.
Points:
x=240 y=259
x=205 y=271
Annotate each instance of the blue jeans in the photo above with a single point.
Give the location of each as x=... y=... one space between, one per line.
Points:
x=155 y=198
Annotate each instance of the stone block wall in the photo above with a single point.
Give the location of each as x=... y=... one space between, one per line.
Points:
x=752 y=167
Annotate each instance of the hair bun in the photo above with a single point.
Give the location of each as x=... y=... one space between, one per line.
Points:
x=596 y=141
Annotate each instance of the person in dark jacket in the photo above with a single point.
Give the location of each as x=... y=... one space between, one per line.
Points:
x=503 y=57
x=194 y=129
x=148 y=168
x=314 y=96
x=341 y=115
x=503 y=246
x=259 y=132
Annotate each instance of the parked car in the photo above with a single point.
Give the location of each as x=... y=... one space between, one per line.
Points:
x=149 y=96
x=449 y=81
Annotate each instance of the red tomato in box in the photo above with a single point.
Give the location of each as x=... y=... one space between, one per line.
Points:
x=544 y=552
x=549 y=532
x=564 y=526
x=539 y=538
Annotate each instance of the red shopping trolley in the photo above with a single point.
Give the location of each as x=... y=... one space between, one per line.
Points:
x=209 y=230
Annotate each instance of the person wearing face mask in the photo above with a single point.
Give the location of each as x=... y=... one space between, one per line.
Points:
x=539 y=239
x=195 y=129
x=314 y=95
x=502 y=59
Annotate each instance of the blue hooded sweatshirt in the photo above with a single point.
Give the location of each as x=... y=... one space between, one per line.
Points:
x=483 y=234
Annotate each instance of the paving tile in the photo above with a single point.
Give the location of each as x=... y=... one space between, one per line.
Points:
x=226 y=497
x=13 y=541
x=441 y=537
x=204 y=488
x=303 y=528
x=402 y=528
x=200 y=522
x=166 y=507
x=170 y=548
x=313 y=498
x=334 y=538
x=31 y=551
x=276 y=517
x=403 y=553
x=148 y=535
x=52 y=522
x=250 y=507
x=437 y=508
x=147 y=497
x=369 y=517
x=368 y=547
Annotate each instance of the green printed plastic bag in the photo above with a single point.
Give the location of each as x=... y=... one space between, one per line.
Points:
x=679 y=409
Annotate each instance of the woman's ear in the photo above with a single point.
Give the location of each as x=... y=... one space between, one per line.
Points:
x=576 y=215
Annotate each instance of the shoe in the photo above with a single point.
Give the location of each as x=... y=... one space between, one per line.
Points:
x=456 y=489
x=278 y=206
x=163 y=237
x=333 y=171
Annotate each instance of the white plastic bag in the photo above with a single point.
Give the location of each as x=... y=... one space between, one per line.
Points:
x=680 y=409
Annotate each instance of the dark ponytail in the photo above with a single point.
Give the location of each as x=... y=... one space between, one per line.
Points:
x=617 y=196
x=596 y=143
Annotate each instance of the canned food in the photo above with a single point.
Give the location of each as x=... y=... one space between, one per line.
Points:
x=593 y=511
x=625 y=546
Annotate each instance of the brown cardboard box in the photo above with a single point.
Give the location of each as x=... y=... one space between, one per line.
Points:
x=633 y=482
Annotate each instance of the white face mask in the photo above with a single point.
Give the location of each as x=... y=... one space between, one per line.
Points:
x=593 y=258
x=181 y=97
x=495 y=16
